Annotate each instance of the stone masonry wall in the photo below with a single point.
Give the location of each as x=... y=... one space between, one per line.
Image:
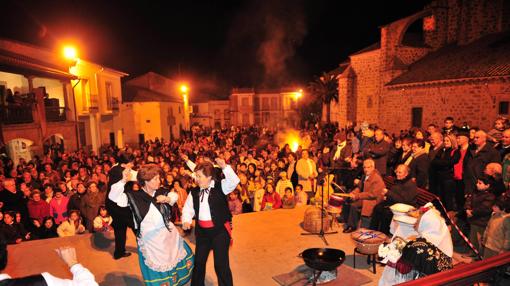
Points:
x=474 y=103
x=367 y=69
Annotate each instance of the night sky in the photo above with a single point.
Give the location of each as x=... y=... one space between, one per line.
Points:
x=213 y=45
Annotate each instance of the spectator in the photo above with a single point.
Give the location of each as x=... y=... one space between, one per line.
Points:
x=13 y=232
x=478 y=210
x=307 y=172
x=71 y=226
x=271 y=199
x=58 y=207
x=48 y=228
x=403 y=191
x=234 y=203
x=441 y=170
x=283 y=184
x=477 y=159
x=301 y=197
x=365 y=197
x=37 y=208
x=288 y=200
x=103 y=220
x=496 y=238
x=378 y=150
x=420 y=164
x=90 y=204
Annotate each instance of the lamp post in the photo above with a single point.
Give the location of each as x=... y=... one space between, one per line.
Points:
x=185 y=98
x=70 y=53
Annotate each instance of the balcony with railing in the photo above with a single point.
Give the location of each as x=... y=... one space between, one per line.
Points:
x=16 y=114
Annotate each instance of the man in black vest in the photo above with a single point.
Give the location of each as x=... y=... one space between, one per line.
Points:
x=208 y=204
x=122 y=216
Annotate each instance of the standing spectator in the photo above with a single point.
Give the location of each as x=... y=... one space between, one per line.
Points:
x=504 y=145
x=496 y=238
x=378 y=150
x=291 y=170
x=259 y=193
x=441 y=168
x=90 y=204
x=458 y=169
x=478 y=210
x=283 y=184
x=449 y=126
x=478 y=158
x=37 y=208
x=420 y=164
x=58 y=207
x=307 y=172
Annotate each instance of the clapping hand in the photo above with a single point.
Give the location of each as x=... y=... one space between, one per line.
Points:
x=221 y=163
x=68 y=255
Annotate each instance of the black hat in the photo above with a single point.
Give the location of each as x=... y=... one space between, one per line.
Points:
x=463 y=132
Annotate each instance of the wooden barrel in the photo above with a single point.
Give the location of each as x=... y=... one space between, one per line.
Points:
x=312 y=220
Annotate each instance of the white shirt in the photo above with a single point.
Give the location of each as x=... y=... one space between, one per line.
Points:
x=81 y=277
x=228 y=185
x=161 y=249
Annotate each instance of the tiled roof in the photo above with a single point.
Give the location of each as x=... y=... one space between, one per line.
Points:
x=487 y=57
x=141 y=94
x=370 y=48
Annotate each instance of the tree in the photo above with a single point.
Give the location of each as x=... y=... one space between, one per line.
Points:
x=325 y=88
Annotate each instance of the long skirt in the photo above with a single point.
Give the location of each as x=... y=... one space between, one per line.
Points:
x=179 y=275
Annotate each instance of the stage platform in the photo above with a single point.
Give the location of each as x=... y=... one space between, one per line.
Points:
x=266 y=244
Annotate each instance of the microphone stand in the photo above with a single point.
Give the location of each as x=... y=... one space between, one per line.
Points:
x=321 y=233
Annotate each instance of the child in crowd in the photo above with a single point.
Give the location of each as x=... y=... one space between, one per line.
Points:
x=71 y=226
x=288 y=200
x=259 y=193
x=234 y=203
x=300 y=196
x=271 y=199
x=496 y=238
x=103 y=220
x=479 y=209
x=48 y=228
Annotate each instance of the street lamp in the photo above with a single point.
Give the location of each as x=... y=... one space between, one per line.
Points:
x=70 y=53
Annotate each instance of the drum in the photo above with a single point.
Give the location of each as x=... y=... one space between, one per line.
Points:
x=368 y=241
x=312 y=220
x=335 y=204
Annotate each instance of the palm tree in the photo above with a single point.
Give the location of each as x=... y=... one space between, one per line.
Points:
x=325 y=88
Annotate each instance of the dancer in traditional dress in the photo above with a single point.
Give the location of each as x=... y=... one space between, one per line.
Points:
x=208 y=203
x=164 y=256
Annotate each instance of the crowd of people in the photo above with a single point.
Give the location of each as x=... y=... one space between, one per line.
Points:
x=63 y=193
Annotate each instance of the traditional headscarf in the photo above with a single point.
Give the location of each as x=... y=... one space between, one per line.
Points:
x=433 y=228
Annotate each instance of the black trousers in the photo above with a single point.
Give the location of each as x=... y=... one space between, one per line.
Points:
x=219 y=242
x=120 y=239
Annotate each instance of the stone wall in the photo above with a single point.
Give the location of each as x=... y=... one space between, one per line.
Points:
x=367 y=69
x=474 y=103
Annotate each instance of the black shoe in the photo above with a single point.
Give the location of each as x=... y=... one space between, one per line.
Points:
x=348 y=230
x=126 y=254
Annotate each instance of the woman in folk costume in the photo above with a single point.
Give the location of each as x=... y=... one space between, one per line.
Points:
x=164 y=256
x=208 y=204
x=429 y=249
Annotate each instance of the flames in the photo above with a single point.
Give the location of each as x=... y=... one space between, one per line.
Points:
x=291 y=137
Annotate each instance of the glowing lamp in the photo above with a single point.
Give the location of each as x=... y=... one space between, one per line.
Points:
x=294 y=145
x=184 y=88
x=70 y=53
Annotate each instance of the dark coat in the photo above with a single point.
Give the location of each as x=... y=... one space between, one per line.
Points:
x=480 y=202
x=403 y=191
x=474 y=165
x=378 y=151
x=420 y=170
